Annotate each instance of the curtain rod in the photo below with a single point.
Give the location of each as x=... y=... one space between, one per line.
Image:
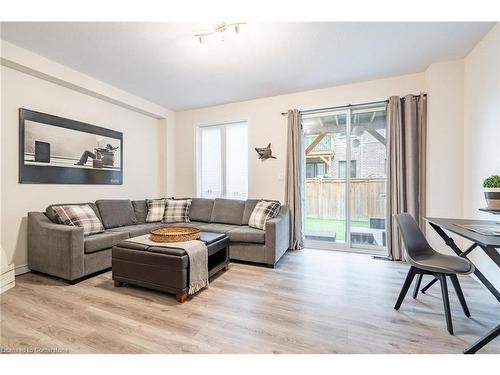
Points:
x=345 y=106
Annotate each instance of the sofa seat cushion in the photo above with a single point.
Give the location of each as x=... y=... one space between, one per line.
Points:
x=116 y=212
x=247 y=234
x=102 y=241
x=137 y=230
x=217 y=228
x=228 y=211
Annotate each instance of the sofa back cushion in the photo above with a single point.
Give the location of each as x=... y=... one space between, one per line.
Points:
x=52 y=215
x=116 y=212
x=201 y=209
x=140 y=210
x=228 y=211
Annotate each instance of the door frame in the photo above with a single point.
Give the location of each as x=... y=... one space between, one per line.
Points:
x=347 y=245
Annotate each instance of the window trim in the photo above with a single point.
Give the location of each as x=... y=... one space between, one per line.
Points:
x=222 y=125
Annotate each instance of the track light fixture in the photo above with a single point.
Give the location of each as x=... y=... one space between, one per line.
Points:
x=220 y=29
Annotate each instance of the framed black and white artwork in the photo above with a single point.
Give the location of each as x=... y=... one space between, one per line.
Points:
x=57 y=150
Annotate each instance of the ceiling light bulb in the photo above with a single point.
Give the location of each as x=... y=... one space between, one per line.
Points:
x=201 y=40
x=237 y=28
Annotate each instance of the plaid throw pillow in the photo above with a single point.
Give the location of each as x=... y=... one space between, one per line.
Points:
x=79 y=216
x=156 y=209
x=263 y=211
x=177 y=211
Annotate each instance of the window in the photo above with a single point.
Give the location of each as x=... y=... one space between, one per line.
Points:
x=222 y=165
x=342 y=169
x=314 y=170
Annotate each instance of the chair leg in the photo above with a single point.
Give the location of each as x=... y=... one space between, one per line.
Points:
x=406 y=286
x=446 y=301
x=425 y=288
x=460 y=294
x=417 y=285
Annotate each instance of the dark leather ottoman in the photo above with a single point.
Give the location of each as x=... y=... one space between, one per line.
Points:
x=165 y=269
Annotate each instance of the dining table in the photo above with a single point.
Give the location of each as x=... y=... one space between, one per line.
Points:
x=483 y=237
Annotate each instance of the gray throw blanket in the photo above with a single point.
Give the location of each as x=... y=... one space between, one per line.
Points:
x=198 y=259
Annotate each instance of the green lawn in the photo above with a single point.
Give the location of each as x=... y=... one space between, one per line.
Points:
x=329 y=227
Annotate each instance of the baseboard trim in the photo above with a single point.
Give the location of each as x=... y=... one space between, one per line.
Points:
x=21 y=269
x=6 y=287
x=7 y=279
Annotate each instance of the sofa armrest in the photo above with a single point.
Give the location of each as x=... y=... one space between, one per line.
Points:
x=277 y=236
x=55 y=249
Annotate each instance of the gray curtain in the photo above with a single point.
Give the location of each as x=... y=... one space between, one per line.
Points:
x=406 y=135
x=294 y=178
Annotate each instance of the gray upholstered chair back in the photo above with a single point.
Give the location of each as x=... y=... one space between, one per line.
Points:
x=415 y=243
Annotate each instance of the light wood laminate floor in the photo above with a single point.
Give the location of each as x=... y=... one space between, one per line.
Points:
x=313 y=302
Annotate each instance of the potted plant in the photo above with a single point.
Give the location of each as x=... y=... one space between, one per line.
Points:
x=492 y=192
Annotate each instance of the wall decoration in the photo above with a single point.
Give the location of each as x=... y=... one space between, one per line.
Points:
x=265 y=152
x=57 y=150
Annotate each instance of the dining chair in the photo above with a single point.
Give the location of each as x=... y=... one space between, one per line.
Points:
x=424 y=260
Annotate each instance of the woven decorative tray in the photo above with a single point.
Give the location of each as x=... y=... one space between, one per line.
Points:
x=174 y=234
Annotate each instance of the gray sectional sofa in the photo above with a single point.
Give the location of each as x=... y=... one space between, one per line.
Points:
x=64 y=251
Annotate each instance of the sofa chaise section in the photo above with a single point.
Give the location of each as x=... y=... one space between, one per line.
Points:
x=63 y=251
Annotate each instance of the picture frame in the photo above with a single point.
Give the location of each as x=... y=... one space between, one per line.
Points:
x=58 y=150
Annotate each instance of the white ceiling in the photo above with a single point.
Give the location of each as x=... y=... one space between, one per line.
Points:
x=163 y=63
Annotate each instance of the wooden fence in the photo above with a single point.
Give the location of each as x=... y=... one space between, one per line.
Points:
x=325 y=198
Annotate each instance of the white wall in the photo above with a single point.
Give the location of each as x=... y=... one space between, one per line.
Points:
x=267 y=125
x=141 y=141
x=481 y=143
x=445 y=157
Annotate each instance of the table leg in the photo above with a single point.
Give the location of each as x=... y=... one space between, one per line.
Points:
x=181 y=297
x=492 y=253
x=495 y=332
x=449 y=241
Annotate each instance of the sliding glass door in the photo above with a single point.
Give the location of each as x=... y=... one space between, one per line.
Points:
x=325 y=184
x=345 y=179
